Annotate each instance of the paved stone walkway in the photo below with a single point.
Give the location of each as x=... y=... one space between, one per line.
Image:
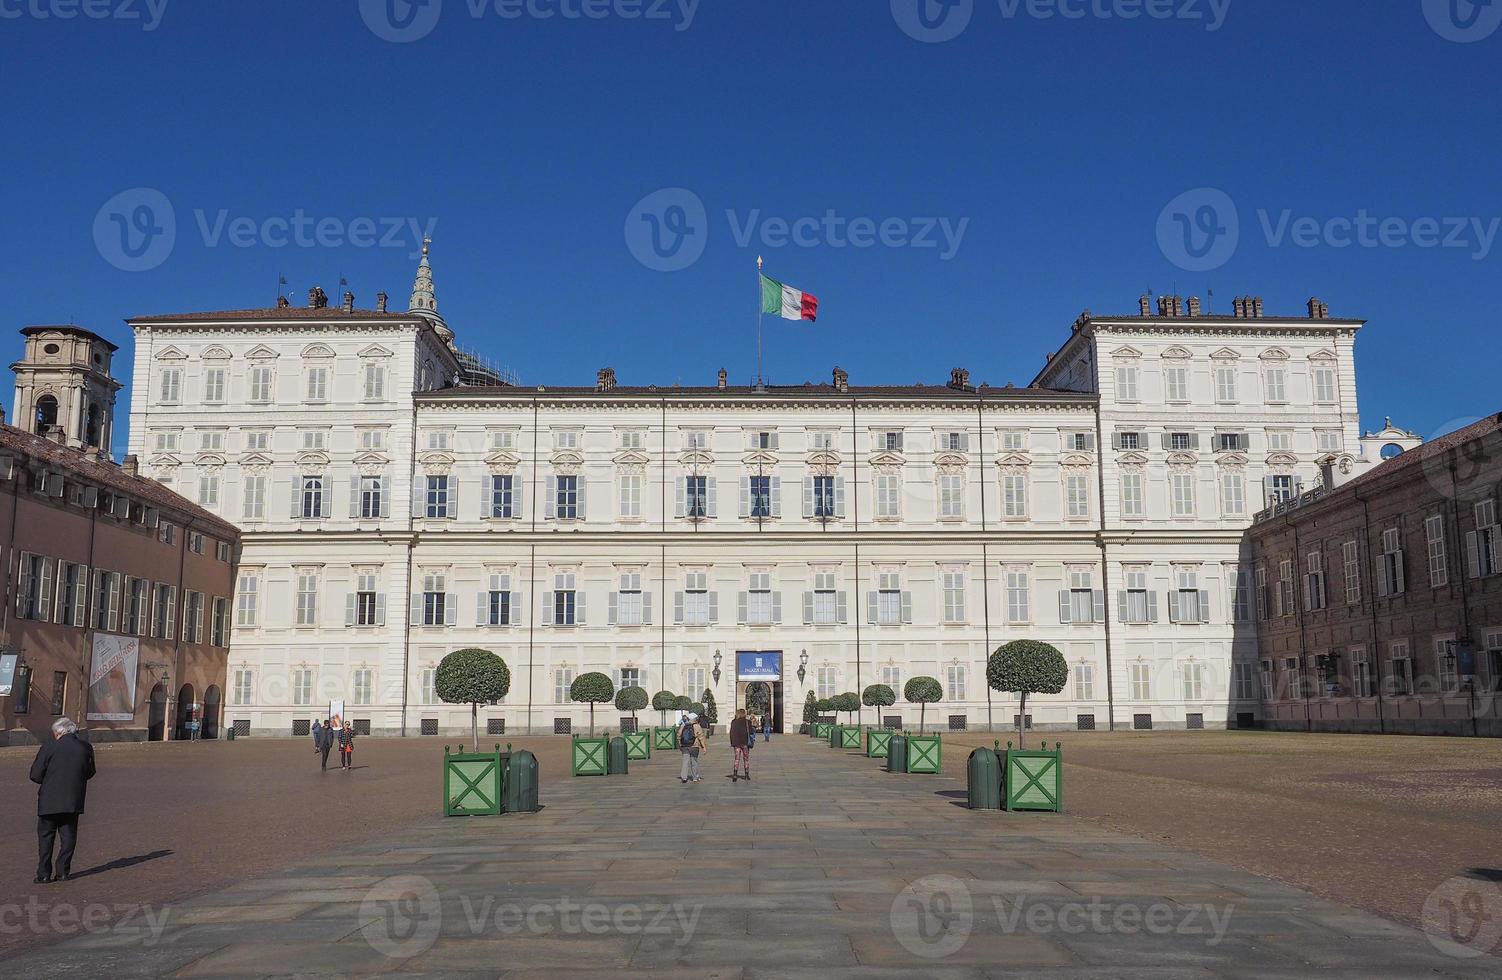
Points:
x=824 y=866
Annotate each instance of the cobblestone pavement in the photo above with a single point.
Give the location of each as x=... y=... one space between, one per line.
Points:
x=823 y=866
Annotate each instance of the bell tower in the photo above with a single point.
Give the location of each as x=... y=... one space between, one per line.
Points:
x=64 y=381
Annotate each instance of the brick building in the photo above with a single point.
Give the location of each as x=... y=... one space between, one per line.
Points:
x=1379 y=601
x=116 y=590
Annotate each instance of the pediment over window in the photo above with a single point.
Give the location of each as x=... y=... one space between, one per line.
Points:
x=1225 y=354
x=317 y=350
x=1232 y=459
x=696 y=457
x=1322 y=355
x=1076 y=459
x=502 y=458
x=208 y=459
x=216 y=353
x=760 y=457
x=376 y=350
x=1275 y=354
x=1131 y=459
x=1182 y=459
x=823 y=458
x=255 y=459
x=885 y=458
x=262 y=353
x=312 y=459
x=1126 y=352
x=436 y=459
x=171 y=354
x=1282 y=459
x=164 y=459
x=629 y=457
x=567 y=457
x=372 y=457
x=1177 y=354
x=952 y=461
x=1013 y=459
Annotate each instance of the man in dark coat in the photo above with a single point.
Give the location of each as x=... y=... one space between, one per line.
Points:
x=325 y=742
x=62 y=768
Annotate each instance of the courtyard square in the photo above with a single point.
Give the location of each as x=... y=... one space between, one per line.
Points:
x=823 y=865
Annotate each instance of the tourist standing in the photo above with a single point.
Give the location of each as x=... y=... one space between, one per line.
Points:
x=766 y=728
x=317 y=736
x=62 y=770
x=691 y=743
x=325 y=742
x=740 y=745
x=347 y=747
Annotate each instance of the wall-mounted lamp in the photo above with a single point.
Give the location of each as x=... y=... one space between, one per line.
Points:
x=802 y=666
x=716 y=671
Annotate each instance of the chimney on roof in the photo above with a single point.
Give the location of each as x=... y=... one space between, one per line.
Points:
x=1194 y=306
x=1317 y=309
x=1163 y=306
x=56 y=434
x=1178 y=306
x=1238 y=307
x=841 y=380
x=722 y=380
x=283 y=302
x=130 y=466
x=959 y=379
x=605 y=379
x=349 y=302
x=380 y=302
x=317 y=298
x=1145 y=304
x=2 y=414
x=1257 y=307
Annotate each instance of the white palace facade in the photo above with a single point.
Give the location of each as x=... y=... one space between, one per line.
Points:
x=400 y=502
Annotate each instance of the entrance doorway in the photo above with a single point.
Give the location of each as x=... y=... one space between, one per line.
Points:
x=758 y=687
x=156 y=714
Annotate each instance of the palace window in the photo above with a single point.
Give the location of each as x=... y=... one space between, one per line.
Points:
x=503 y=496
x=629 y=605
x=954 y=596
x=695 y=605
x=1019 y=597
x=1434 y=538
x=307 y=597
x=1132 y=503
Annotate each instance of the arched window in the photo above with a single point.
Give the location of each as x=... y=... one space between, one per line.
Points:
x=92 y=425
x=46 y=414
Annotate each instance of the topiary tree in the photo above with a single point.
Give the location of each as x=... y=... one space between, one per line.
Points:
x=758 y=698
x=922 y=691
x=697 y=708
x=474 y=677
x=631 y=699
x=594 y=688
x=711 y=713
x=879 y=696
x=1026 y=667
x=825 y=706
x=664 y=701
x=810 y=709
x=847 y=702
x=684 y=703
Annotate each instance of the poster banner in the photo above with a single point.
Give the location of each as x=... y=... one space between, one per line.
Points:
x=751 y=666
x=112 y=678
x=7 y=673
x=336 y=710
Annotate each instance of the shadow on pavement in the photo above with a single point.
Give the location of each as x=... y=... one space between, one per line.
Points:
x=119 y=863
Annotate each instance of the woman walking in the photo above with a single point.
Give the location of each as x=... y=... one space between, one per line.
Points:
x=347 y=747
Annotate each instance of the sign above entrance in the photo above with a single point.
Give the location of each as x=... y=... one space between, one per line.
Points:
x=758 y=666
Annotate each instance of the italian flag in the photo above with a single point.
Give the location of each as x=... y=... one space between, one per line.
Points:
x=787 y=302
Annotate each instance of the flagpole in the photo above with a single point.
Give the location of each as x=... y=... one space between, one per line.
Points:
x=760 y=317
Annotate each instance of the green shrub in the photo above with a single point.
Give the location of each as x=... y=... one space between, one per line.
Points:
x=810 y=709
x=631 y=699
x=474 y=677
x=1026 y=667
x=593 y=688
x=922 y=691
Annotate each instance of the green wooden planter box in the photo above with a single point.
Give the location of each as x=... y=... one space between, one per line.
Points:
x=638 y=745
x=923 y=753
x=591 y=756
x=821 y=730
x=878 y=743
x=850 y=736
x=472 y=783
x=664 y=739
x=1034 y=778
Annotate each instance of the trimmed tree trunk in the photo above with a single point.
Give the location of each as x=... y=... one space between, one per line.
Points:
x=474 y=723
x=922 y=713
x=1022 y=722
x=591 y=719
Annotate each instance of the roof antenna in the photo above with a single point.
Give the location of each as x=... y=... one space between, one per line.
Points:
x=1210 y=303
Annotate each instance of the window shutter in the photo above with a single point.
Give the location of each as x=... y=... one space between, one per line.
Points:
x=549 y=611
x=451 y=508
x=678 y=608
x=871 y=611
x=1121 y=607
x=808 y=607
x=25 y=584
x=1090 y=441
x=380 y=609
x=385 y=486
x=610 y=610
x=740 y=608
x=839 y=497
x=1152 y=607
x=714 y=607
x=482 y=608
x=1116 y=440
x=1399 y=585
x=1167 y=440
x=808 y=497
x=1473 y=553
x=581 y=486
x=745 y=496
x=579 y=608
x=1173 y=606
x=349 y=609
x=44 y=594
x=712 y=492
x=646 y=613
x=419 y=501
x=518 y=603
x=414 y=616
x=964 y=442
x=1204 y=606
x=1065 y=607
x=451 y=609
x=517 y=487
x=776 y=489
x=841 y=608
x=1308 y=592
x=551 y=511
x=1383 y=589
x=907 y=607
x=354 y=496
x=1099 y=598
x=772 y=440
x=296 y=498
x=1194 y=440
x=777 y=608
x=680 y=504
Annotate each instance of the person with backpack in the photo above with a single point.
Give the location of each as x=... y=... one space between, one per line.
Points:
x=691 y=743
x=741 y=734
